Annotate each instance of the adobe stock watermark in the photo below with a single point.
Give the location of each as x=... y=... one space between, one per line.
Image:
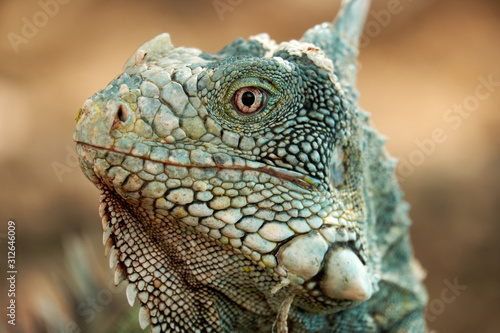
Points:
x=223 y=6
x=71 y=162
x=377 y=20
x=89 y=308
x=453 y=118
x=448 y=295
x=31 y=25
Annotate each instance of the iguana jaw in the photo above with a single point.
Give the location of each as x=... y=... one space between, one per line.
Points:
x=222 y=161
x=307 y=259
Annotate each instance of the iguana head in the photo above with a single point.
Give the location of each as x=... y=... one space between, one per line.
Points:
x=254 y=149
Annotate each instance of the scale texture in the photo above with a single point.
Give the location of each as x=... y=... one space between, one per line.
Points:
x=245 y=191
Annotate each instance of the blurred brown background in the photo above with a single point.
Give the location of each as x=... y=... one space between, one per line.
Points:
x=419 y=66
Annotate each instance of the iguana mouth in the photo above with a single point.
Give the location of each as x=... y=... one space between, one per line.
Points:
x=223 y=161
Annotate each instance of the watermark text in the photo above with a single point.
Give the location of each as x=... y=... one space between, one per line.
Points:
x=11 y=272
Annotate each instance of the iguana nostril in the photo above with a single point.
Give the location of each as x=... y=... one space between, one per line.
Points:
x=122 y=114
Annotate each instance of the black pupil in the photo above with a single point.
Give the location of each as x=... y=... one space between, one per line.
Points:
x=248 y=98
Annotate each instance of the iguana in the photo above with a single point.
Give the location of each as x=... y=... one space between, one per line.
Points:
x=245 y=191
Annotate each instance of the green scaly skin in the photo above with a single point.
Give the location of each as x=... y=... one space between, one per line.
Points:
x=229 y=214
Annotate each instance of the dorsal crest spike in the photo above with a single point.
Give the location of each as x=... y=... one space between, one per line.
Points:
x=349 y=23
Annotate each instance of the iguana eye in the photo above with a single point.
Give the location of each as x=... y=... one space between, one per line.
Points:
x=249 y=100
